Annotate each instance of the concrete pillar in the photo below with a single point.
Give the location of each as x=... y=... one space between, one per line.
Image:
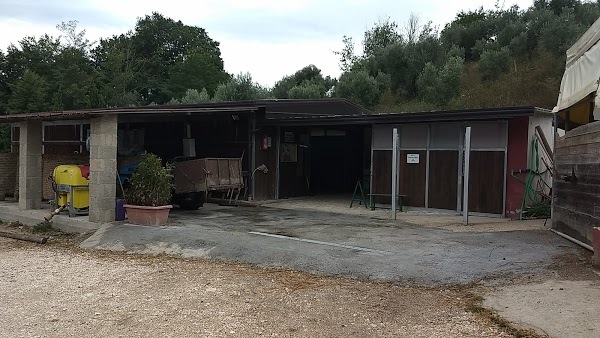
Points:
x=596 y=246
x=30 y=165
x=103 y=168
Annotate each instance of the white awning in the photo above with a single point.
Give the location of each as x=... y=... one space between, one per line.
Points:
x=582 y=72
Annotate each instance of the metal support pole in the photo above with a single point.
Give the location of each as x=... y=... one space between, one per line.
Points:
x=252 y=153
x=394 y=170
x=277 y=160
x=466 y=176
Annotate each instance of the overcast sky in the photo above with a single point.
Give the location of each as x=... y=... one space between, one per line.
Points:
x=268 y=38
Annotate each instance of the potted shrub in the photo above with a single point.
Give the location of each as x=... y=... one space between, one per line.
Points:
x=149 y=192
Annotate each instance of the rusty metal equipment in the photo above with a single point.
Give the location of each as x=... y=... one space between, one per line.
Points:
x=196 y=179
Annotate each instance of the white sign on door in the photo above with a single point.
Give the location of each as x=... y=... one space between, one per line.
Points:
x=412 y=158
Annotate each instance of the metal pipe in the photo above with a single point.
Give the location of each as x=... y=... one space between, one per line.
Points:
x=466 y=176
x=567 y=237
x=394 y=170
x=54 y=213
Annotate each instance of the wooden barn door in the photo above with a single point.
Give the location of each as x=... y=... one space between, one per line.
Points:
x=413 y=170
x=487 y=167
x=443 y=179
x=486 y=182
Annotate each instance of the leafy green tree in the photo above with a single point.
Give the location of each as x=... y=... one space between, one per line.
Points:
x=347 y=55
x=117 y=70
x=359 y=87
x=428 y=83
x=199 y=69
x=192 y=96
x=384 y=33
x=440 y=86
x=240 y=88
x=29 y=94
x=4 y=88
x=37 y=55
x=306 y=90
x=308 y=81
x=561 y=32
x=73 y=38
x=467 y=29
x=159 y=43
x=73 y=85
x=493 y=63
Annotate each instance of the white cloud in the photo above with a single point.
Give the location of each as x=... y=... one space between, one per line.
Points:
x=269 y=62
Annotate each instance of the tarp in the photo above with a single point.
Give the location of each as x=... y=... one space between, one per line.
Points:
x=582 y=71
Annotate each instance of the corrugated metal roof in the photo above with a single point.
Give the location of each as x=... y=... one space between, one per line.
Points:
x=322 y=107
x=405 y=117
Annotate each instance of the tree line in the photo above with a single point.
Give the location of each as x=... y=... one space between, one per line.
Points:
x=498 y=57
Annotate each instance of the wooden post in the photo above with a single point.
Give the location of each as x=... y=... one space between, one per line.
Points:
x=466 y=176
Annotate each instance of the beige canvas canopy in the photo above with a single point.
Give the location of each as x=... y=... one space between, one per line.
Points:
x=582 y=74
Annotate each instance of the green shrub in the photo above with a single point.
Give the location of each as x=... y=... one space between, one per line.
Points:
x=151 y=184
x=539 y=209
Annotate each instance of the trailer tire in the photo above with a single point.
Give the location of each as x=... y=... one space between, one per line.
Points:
x=191 y=201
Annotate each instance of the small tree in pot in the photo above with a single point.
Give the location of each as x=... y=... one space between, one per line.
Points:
x=149 y=192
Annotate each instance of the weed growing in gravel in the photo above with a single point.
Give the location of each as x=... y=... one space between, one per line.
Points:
x=42 y=227
x=14 y=224
x=474 y=306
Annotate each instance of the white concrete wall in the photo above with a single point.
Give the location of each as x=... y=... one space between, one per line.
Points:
x=544 y=121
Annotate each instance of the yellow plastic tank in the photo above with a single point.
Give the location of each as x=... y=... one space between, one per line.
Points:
x=72 y=179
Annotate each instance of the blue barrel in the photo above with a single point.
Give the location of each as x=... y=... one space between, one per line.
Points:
x=120 y=210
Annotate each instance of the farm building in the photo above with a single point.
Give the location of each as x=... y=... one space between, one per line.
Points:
x=576 y=199
x=309 y=147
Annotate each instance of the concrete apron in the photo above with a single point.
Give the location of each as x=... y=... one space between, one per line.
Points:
x=11 y=212
x=336 y=244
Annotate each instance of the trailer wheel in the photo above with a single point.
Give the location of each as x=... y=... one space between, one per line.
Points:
x=191 y=201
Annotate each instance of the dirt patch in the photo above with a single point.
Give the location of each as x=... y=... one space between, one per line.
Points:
x=70 y=292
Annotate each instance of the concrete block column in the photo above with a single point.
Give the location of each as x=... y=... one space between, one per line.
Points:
x=30 y=165
x=596 y=246
x=103 y=168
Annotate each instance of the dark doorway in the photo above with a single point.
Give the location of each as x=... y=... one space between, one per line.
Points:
x=337 y=160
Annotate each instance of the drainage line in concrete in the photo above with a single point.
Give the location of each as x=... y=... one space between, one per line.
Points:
x=320 y=242
x=589 y=247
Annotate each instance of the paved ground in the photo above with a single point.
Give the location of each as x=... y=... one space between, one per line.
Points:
x=50 y=291
x=559 y=308
x=529 y=276
x=334 y=244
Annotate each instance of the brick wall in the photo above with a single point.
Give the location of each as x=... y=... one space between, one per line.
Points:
x=51 y=161
x=9 y=167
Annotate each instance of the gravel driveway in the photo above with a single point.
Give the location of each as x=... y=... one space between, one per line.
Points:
x=53 y=291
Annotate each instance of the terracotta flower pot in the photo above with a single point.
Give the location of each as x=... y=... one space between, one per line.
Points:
x=137 y=214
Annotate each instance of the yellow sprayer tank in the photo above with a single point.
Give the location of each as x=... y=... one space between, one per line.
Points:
x=71 y=186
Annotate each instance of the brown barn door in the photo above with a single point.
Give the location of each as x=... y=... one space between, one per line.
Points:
x=486 y=180
x=413 y=177
x=443 y=179
x=382 y=175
